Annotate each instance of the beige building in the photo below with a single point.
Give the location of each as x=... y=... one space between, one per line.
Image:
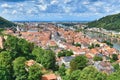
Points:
x=1 y=42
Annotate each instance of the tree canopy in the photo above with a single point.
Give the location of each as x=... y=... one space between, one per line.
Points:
x=91 y=73
x=5 y=66
x=114 y=76
x=18 y=47
x=34 y=72
x=5 y=23
x=111 y=22
x=45 y=57
x=65 y=53
x=78 y=62
x=20 y=72
x=97 y=58
x=88 y=73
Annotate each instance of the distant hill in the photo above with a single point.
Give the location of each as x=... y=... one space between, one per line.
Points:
x=5 y=23
x=111 y=22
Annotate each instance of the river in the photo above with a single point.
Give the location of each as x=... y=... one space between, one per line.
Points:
x=101 y=37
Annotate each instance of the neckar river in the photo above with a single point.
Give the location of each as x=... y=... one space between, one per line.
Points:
x=101 y=37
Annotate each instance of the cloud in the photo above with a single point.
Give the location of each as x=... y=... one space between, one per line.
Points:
x=98 y=3
x=20 y=5
x=32 y=11
x=42 y=7
x=53 y=2
x=62 y=9
x=85 y=2
x=5 y=11
x=14 y=12
x=14 y=0
x=6 y=6
x=67 y=1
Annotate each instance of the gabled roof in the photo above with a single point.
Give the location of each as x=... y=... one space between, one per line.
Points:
x=68 y=58
x=30 y=63
x=104 y=66
x=49 y=77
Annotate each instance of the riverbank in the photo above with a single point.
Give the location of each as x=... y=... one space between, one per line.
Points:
x=103 y=36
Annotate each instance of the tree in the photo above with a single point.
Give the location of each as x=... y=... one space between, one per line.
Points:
x=78 y=62
x=114 y=76
x=48 y=59
x=72 y=76
x=5 y=23
x=114 y=57
x=24 y=47
x=20 y=72
x=61 y=54
x=97 y=45
x=5 y=66
x=101 y=76
x=116 y=66
x=91 y=46
x=62 y=70
x=75 y=75
x=11 y=43
x=19 y=47
x=66 y=77
x=69 y=53
x=34 y=72
x=110 y=22
x=65 y=53
x=97 y=58
x=38 y=53
x=77 y=45
x=45 y=57
x=91 y=73
x=108 y=43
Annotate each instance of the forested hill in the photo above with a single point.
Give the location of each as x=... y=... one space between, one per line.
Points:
x=5 y=23
x=111 y=22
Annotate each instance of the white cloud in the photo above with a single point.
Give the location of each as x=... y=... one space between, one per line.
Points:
x=21 y=9
x=32 y=11
x=54 y=2
x=79 y=8
x=5 y=11
x=41 y=1
x=6 y=6
x=85 y=2
x=107 y=9
x=14 y=12
x=20 y=5
x=42 y=7
x=66 y=1
x=29 y=11
x=99 y=4
x=67 y=9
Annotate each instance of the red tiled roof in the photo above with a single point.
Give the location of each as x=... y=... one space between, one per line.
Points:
x=30 y=63
x=49 y=77
x=52 y=43
x=88 y=56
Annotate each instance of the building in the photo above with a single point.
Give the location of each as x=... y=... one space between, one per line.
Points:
x=104 y=66
x=66 y=61
x=49 y=77
x=30 y=63
x=1 y=42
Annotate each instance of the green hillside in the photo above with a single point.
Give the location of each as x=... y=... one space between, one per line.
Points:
x=5 y=23
x=111 y=22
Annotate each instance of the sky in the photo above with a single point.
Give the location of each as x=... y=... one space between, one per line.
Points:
x=57 y=10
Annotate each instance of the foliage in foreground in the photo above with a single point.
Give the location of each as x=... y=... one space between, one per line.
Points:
x=88 y=73
x=78 y=62
x=14 y=55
